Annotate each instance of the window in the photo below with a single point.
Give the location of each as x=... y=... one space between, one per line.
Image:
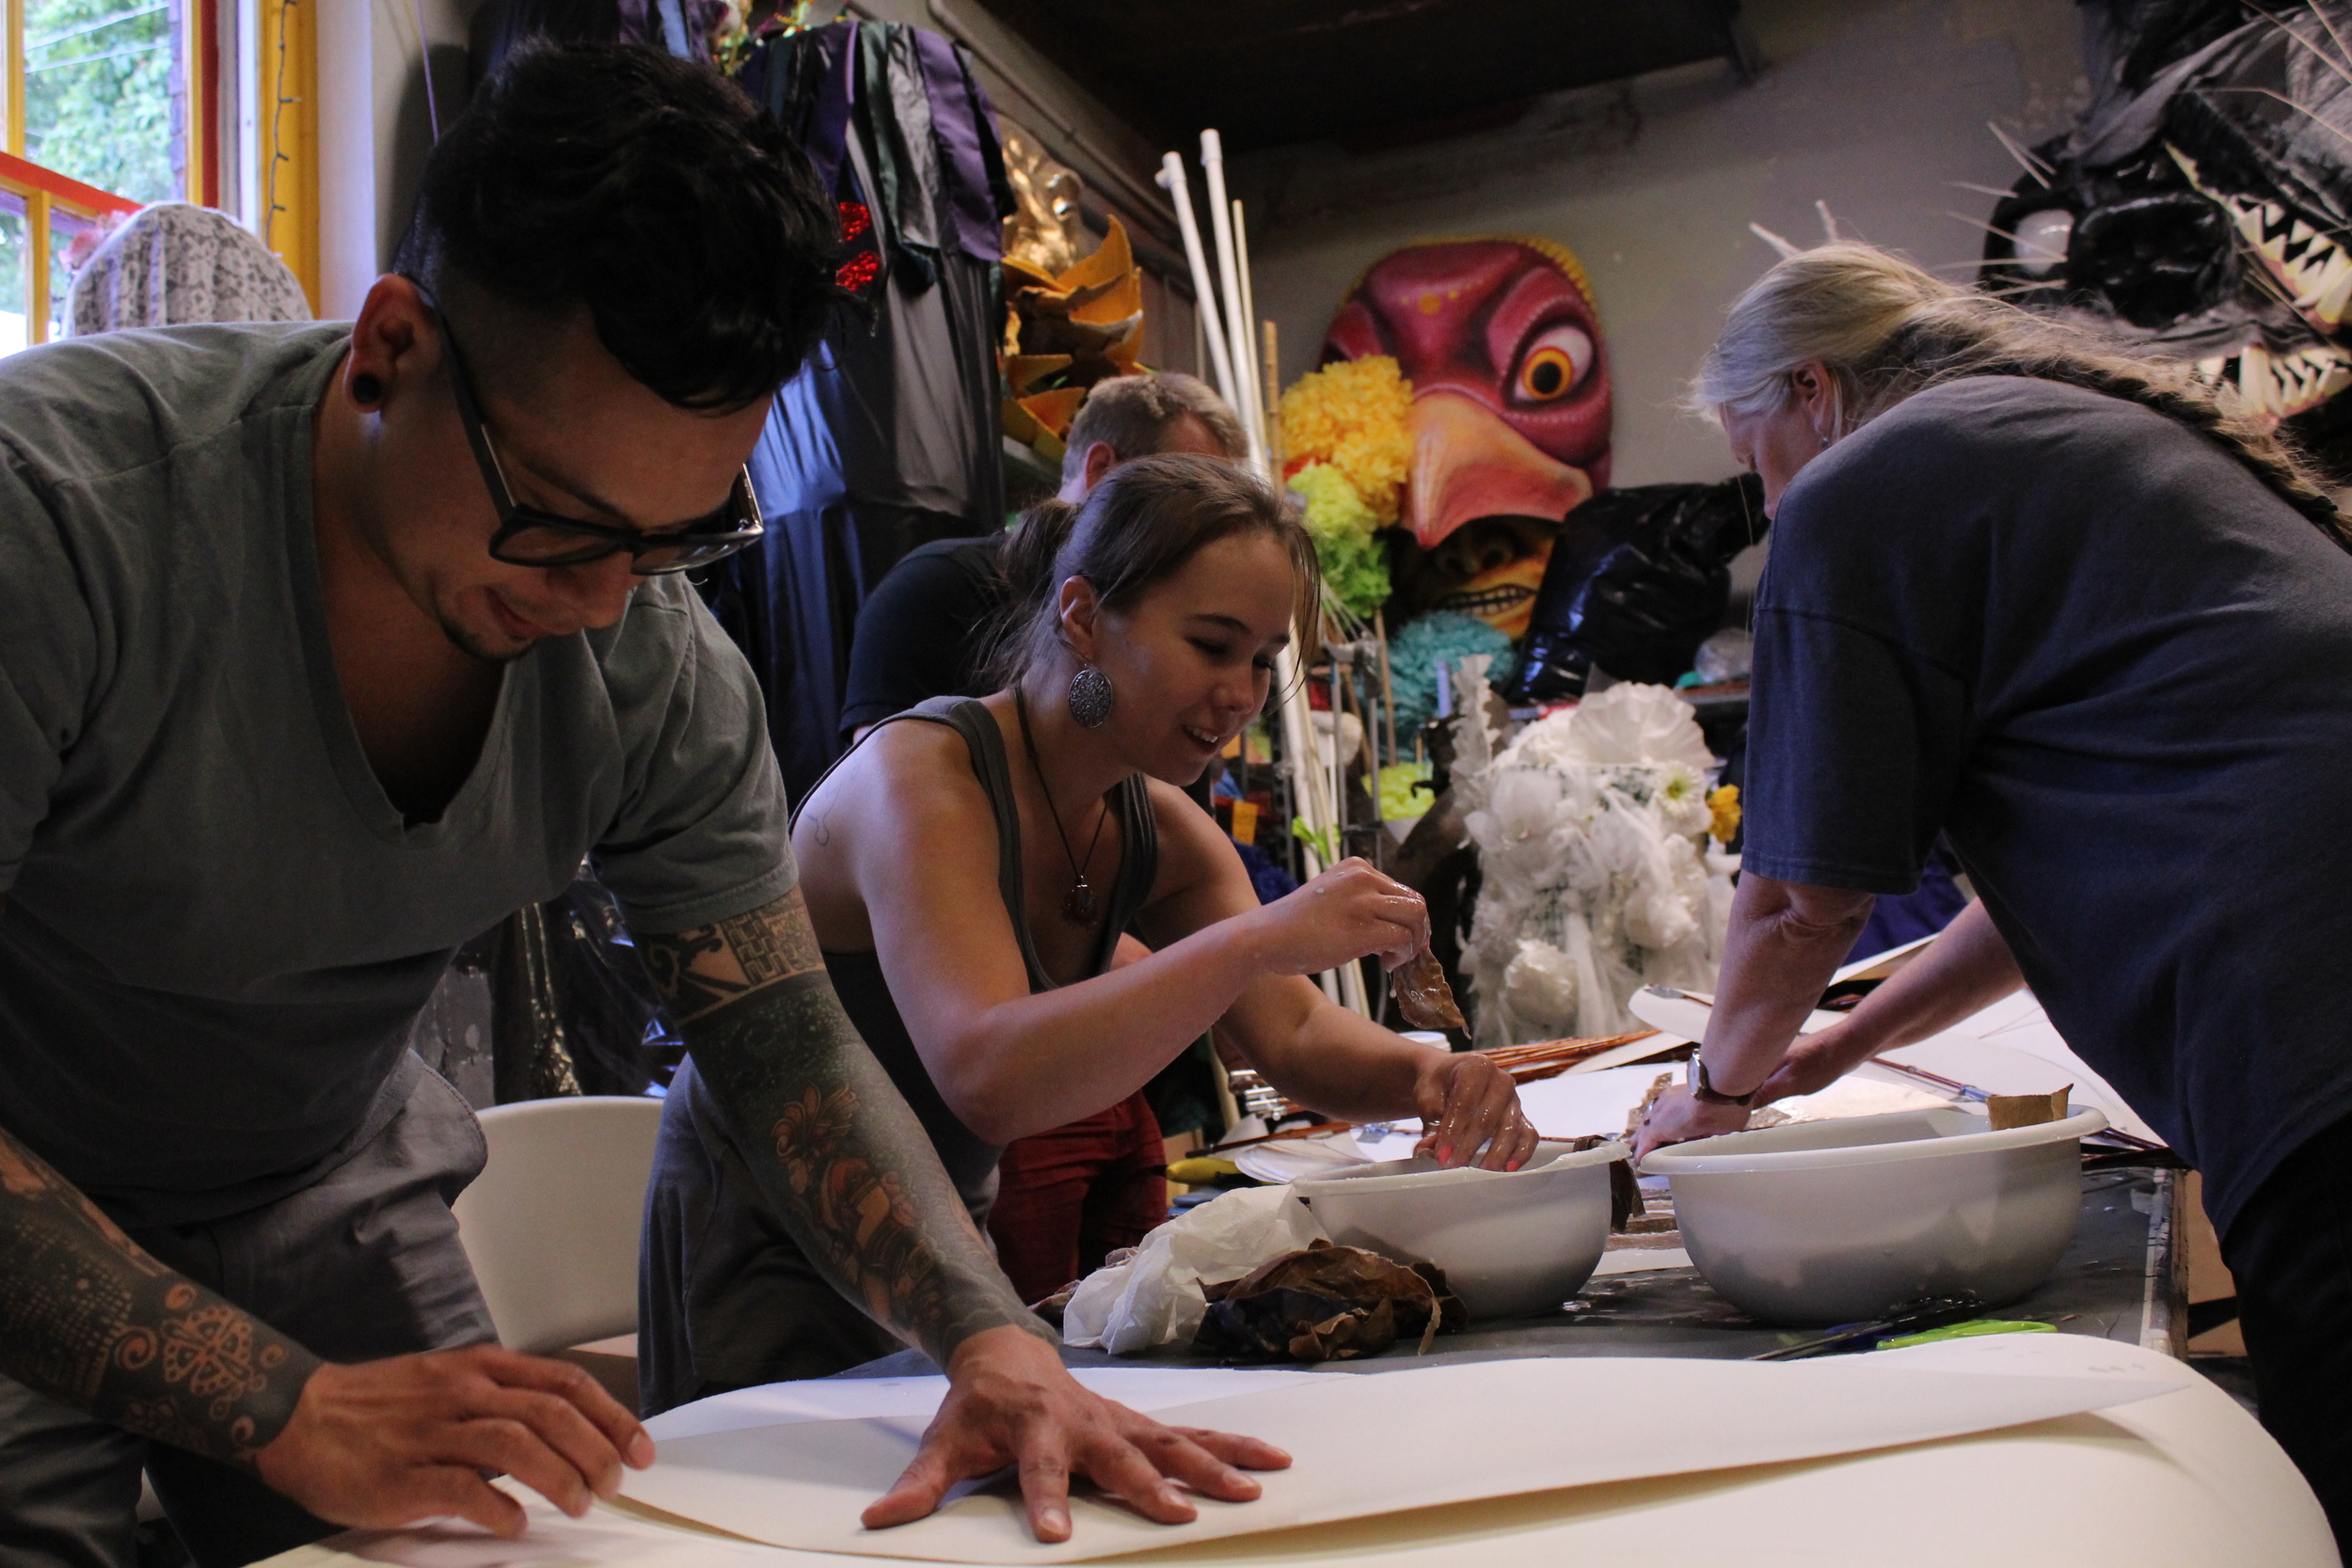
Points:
x=106 y=109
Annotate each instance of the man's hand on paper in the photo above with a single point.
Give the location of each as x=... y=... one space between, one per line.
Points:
x=385 y=1442
x=1010 y=1402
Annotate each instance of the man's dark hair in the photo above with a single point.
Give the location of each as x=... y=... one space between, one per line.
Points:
x=650 y=190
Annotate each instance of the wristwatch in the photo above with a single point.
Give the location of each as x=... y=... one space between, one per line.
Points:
x=1708 y=1094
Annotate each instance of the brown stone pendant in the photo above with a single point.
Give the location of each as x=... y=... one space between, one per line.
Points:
x=1077 y=905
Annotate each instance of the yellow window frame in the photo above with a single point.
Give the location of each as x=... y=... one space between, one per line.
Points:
x=289 y=133
x=289 y=208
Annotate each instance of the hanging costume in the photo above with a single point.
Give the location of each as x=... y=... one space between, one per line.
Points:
x=889 y=438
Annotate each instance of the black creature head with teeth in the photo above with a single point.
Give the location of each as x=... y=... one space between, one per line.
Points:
x=2203 y=205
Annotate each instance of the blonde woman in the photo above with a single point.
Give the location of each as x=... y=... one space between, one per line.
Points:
x=2073 y=611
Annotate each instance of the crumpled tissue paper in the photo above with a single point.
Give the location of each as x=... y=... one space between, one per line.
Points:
x=1155 y=1297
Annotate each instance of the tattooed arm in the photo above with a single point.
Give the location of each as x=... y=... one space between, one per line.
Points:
x=854 y=1176
x=90 y=1320
x=855 y=1179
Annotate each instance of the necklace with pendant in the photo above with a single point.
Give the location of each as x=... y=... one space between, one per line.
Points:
x=1077 y=905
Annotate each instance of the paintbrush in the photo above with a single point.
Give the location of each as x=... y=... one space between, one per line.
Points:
x=1911 y=1317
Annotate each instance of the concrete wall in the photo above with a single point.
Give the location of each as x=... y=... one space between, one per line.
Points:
x=376 y=127
x=1877 y=107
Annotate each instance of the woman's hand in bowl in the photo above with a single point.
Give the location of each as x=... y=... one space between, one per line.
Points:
x=1349 y=912
x=1470 y=1109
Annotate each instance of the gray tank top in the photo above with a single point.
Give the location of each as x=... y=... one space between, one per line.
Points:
x=857 y=977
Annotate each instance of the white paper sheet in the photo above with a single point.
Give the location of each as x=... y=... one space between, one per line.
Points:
x=1576 y=1104
x=1648 y=1260
x=1486 y=1429
x=835 y=1399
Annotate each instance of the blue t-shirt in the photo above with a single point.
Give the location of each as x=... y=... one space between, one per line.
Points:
x=215 y=929
x=2090 y=646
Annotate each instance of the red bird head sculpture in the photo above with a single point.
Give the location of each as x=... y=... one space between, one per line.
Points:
x=1510 y=421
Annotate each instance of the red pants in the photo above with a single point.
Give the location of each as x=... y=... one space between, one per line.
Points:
x=1067 y=1198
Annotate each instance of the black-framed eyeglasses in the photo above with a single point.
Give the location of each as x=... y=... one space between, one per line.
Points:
x=529 y=537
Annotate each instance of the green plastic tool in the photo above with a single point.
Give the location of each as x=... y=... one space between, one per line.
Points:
x=1973 y=1329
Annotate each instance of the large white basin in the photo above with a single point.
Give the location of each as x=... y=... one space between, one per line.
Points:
x=1511 y=1242
x=1833 y=1222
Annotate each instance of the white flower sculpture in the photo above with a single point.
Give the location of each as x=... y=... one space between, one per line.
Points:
x=1598 y=877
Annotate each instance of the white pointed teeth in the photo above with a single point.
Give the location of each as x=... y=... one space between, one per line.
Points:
x=2313 y=267
x=2285 y=385
x=2310 y=262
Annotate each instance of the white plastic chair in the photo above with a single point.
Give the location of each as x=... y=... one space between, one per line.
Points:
x=551 y=1224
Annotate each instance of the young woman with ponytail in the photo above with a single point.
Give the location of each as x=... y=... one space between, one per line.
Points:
x=969 y=868
x=2079 y=613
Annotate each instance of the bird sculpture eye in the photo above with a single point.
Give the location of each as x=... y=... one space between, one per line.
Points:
x=1553 y=364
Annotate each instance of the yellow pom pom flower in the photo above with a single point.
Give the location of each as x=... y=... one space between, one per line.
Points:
x=1405 y=792
x=1724 y=804
x=1354 y=415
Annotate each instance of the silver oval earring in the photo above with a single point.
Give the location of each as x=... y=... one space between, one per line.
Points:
x=1825 y=443
x=1091 y=698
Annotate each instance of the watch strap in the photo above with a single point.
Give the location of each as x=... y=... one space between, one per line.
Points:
x=1706 y=1093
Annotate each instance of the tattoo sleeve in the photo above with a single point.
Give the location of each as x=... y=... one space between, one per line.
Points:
x=88 y=1318
x=853 y=1174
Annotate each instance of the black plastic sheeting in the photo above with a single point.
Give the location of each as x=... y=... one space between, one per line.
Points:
x=1639 y=578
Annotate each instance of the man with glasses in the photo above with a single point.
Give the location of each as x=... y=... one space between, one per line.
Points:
x=321 y=648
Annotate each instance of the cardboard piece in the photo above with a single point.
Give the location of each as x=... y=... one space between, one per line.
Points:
x=2028 y=1110
x=1371 y=1445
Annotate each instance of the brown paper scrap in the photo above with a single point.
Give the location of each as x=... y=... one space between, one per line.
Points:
x=1422 y=996
x=2028 y=1110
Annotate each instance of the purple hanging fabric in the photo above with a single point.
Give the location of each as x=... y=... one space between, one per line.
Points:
x=1000 y=195
x=828 y=128
x=956 y=122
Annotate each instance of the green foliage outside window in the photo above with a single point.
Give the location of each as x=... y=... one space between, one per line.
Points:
x=98 y=88
x=99 y=81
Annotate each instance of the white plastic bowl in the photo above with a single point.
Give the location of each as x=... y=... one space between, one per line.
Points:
x=1832 y=1221
x=1511 y=1242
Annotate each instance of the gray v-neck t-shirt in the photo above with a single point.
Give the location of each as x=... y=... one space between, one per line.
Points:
x=216 y=929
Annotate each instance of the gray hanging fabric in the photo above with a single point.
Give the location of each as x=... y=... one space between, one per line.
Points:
x=910 y=134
